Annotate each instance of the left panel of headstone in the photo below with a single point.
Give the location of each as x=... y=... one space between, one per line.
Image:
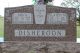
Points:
x=16 y=18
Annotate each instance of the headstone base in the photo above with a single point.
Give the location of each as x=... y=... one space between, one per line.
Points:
x=40 y=47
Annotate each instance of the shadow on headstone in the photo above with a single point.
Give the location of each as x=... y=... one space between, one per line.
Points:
x=0 y=50
x=62 y=52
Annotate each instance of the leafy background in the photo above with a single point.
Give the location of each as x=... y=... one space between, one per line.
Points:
x=1 y=26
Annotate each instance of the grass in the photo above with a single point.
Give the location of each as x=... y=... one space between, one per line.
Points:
x=78 y=31
x=1 y=27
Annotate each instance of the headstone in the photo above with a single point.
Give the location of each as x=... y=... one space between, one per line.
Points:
x=40 y=23
x=1 y=50
x=37 y=28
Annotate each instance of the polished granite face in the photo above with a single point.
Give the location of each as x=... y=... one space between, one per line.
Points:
x=39 y=47
x=40 y=23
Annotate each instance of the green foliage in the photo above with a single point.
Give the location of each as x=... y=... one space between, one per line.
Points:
x=33 y=1
x=1 y=26
x=45 y=1
x=78 y=19
x=78 y=31
x=1 y=16
x=70 y=3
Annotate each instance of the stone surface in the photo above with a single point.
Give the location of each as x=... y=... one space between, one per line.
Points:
x=0 y=49
x=57 y=18
x=22 y=18
x=40 y=14
x=41 y=33
x=54 y=18
x=40 y=47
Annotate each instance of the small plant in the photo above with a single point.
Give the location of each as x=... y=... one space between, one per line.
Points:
x=45 y=1
x=33 y=1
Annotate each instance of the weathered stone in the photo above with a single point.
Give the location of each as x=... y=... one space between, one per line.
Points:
x=40 y=47
x=21 y=24
x=0 y=49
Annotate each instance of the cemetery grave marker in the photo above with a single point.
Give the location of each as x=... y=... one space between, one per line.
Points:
x=40 y=23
